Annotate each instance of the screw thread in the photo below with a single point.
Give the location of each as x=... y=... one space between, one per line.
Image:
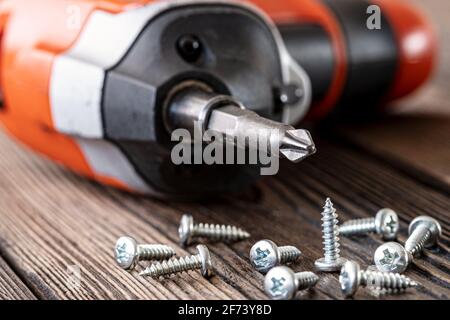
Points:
x=330 y=232
x=154 y=252
x=220 y=232
x=378 y=292
x=306 y=280
x=416 y=241
x=168 y=267
x=357 y=226
x=288 y=254
x=386 y=280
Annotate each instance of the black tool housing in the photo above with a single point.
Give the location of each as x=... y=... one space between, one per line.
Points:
x=228 y=48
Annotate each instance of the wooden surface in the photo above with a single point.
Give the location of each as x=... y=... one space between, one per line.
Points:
x=11 y=287
x=52 y=221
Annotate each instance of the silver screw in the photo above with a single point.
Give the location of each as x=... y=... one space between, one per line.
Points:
x=331 y=260
x=352 y=277
x=281 y=283
x=392 y=257
x=265 y=254
x=200 y=261
x=127 y=252
x=189 y=230
x=384 y=223
x=424 y=232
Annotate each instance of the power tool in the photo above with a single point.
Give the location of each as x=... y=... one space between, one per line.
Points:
x=100 y=85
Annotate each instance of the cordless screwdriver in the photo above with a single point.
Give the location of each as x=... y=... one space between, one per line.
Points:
x=100 y=85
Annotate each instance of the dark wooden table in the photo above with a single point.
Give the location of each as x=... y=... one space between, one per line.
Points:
x=53 y=222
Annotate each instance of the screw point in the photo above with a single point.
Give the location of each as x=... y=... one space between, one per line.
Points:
x=330 y=234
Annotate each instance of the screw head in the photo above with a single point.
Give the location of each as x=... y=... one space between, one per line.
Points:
x=264 y=255
x=185 y=229
x=432 y=224
x=387 y=223
x=349 y=278
x=280 y=283
x=205 y=258
x=391 y=257
x=323 y=265
x=125 y=252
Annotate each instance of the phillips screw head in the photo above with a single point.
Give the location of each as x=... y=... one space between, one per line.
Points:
x=349 y=278
x=265 y=254
x=392 y=257
x=281 y=283
x=185 y=229
x=387 y=223
x=128 y=252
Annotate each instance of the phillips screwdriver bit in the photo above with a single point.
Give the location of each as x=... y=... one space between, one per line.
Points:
x=225 y=116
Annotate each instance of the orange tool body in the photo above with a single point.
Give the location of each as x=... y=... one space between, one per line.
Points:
x=57 y=59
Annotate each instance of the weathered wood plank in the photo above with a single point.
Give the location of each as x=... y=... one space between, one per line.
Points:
x=361 y=186
x=11 y=287
x=418 y=145
x=279 y=207
x=52 y=219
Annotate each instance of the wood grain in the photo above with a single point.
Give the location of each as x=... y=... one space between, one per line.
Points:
x=418 y=145
x=53 y=219
x=11 y=287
